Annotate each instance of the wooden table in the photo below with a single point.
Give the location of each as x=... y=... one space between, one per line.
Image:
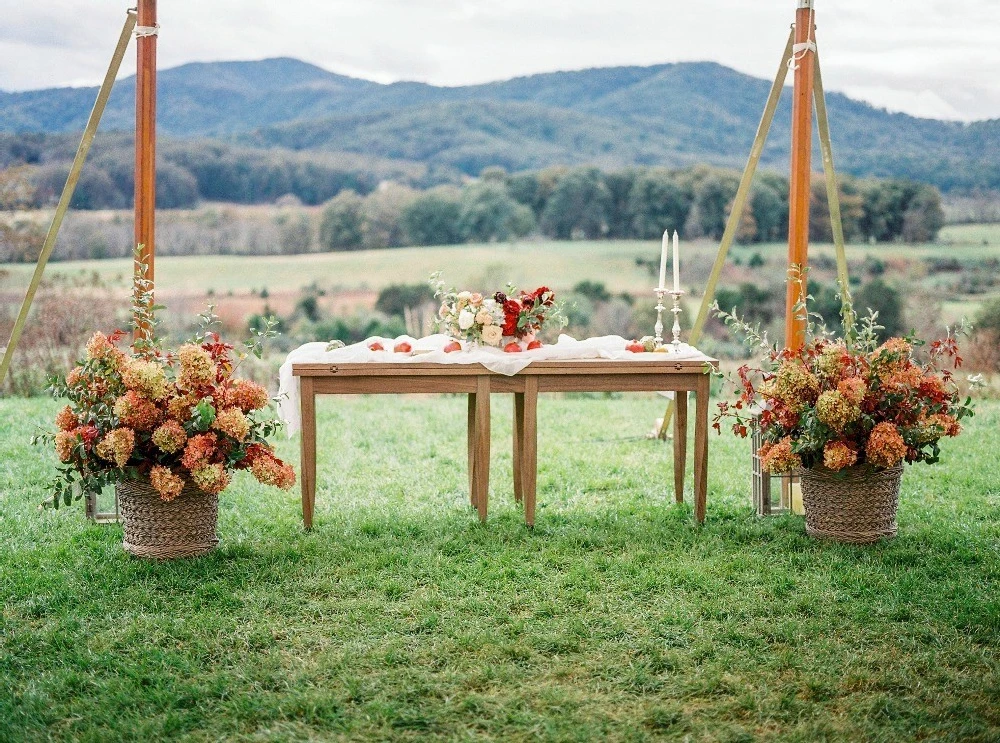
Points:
x=479 y=383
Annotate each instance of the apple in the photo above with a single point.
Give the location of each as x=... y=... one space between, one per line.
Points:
x=534 y=344
x=453 y=346
x=376 y=346
x=402 y=347
x=512 y=348
x=635 y=347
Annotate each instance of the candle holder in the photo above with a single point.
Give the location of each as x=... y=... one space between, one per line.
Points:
x=676 y=295
x=658 y=328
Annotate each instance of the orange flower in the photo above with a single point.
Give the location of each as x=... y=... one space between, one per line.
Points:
x=117 y=446
x=246 y=395
x=233 y=423
x=780 y=458
x=199 y=451
x=853 y=389
x=66 y=441
x=948 y=424
x=837 y=455
x=166 y=483
x=885 y=447
x=135 y=411
x=65 y=419
x=212 y=478
x=179 y=408
x=270 y=470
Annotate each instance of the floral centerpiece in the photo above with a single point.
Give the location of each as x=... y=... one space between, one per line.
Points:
x=490 y=319
x=176 y=424
x=840 y=410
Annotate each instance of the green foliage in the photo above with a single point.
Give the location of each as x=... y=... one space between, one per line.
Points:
x=433 y=218
x=394 y=299
x=341 y=226
x=882 y=298
x=596 y=291
x=657 y=202
x=580 y=206
x=488 y=213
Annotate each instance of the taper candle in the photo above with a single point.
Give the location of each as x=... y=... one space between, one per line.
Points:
x=677 y=264
x=663 y=259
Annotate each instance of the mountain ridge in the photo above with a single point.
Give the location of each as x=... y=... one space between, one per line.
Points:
x=670 y=114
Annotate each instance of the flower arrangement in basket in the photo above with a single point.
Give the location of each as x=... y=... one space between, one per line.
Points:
x=167 y=426
x=846 y=412
x=509 y=319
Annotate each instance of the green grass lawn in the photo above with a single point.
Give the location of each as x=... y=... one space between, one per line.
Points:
x=400 y=617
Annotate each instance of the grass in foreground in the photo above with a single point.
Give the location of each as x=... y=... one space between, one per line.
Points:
x=401 y=618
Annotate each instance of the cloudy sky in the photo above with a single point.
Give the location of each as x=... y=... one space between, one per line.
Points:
x=935 y=58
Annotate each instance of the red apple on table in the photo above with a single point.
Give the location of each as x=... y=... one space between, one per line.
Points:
x=453 y=346
x=635 y=347
x=512 y=348
x=534 y=344
x=376 y=346
x=402 y=347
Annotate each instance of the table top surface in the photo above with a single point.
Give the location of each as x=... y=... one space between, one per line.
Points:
x=646 y=363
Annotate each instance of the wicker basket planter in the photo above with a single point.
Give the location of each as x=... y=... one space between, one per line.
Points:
x=856 y=505
x=164 y=530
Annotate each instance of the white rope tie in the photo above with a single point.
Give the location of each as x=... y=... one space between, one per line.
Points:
x=141 y=32
x=801 y=50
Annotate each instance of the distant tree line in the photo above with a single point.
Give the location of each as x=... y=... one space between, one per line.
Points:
x=187 y=172
x=635 y=203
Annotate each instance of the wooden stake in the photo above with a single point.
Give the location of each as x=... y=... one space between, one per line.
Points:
x=145 y=148
x=801 y=171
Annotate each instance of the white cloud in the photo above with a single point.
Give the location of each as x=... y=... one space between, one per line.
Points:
x=927 y=57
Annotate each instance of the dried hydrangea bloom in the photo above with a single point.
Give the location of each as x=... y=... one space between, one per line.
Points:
x=146 y=378
x=246 y=395
x=233 y=423
x=199 y=451
x=197 y=367
x=212 y=478
x=166 y=484
x=170 y=437
x=796 y=386
x=779 y=458
x=885 y=447
x=837 y=455
x=117 y=446
x=66 y=420
x=135 y=411
x=836 y=411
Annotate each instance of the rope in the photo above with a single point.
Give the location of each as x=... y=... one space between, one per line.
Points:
x=141 y=32
x=801 y=50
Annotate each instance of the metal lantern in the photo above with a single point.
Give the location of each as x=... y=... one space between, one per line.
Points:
x=765 y=486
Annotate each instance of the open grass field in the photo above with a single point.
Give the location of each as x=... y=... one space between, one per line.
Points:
x=400 y=617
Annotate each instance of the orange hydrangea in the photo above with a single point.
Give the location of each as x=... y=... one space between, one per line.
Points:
x=66 y=420
x=779 y=458
x=272 y=471
x=246 y=395
x=166 y=483
x=233 y=423
x=135 y=411
x=885 y=447
x=837 y=455
x=199 y=451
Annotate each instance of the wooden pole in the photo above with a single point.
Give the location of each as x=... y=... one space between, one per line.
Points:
x=145 y=147
x=801 y=171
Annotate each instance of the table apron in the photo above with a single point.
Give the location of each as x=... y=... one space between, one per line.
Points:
x=394 y=385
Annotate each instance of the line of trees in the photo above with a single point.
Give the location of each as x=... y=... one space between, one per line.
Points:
x=634 y=203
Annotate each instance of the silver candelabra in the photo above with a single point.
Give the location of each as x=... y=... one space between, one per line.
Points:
x=676 y=295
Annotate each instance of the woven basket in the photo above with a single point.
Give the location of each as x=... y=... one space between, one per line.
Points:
x=164 y=530
x=856 y=505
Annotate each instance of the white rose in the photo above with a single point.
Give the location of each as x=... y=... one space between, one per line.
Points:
x=492 y=335
x=466 y=319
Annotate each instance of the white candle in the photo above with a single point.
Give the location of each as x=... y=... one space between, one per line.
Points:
x=663 y=259
x=677 y=266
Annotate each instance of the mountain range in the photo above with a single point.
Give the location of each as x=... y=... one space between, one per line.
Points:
x=670 y=114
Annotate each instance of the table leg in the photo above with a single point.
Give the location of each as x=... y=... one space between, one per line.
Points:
x=518 y=426
x=701 y=449
x=529 y=448
x=680 y=442
x=471 y=444
x=307 y=476
x=481 y=453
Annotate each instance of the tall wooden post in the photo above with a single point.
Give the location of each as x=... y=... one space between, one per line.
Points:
x=145 y=143
x=804 y=57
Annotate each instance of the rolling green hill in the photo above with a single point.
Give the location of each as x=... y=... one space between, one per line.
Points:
x=671 y=114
